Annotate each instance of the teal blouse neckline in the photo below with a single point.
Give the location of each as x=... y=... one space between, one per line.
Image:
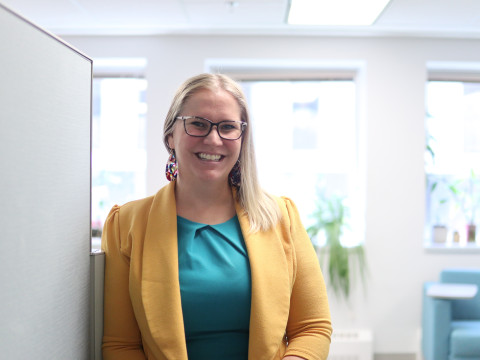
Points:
x=215 y=287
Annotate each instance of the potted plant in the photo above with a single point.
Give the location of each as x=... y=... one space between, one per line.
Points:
x=463 y=192
x=330 y=220
x=439 y=228
x=466 y=195
x=439 y=199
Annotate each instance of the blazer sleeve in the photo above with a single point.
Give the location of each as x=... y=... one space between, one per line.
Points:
x=121 y=335
x=309 y=325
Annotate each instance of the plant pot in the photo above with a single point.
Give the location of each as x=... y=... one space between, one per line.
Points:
x=456 y=237
x=439 y=234
x=471 y=233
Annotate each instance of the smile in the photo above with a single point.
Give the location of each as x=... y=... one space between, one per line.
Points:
x=209 y=157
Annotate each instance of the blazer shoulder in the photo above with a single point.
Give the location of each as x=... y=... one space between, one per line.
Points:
x=135 y=213
x=288 y=208
x=285 y=201
x=133 y=210
x=137 y=205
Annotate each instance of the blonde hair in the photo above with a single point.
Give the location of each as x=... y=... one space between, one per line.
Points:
x=261 y=208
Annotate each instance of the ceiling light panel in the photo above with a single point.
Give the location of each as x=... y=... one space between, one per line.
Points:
x=335 y=12
x=222 y=13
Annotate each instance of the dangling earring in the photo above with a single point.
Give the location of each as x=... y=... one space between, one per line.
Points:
x=235 y=175
x=171 y=170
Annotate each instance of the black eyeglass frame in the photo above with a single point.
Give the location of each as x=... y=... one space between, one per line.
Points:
x=243 y=125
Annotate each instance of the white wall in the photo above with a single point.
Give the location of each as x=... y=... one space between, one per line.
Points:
x=393 y=144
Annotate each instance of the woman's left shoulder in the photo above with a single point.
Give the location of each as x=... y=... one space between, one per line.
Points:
x=287 y=206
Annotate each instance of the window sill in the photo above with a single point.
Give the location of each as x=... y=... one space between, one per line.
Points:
x=450 y=248
x=96 y=243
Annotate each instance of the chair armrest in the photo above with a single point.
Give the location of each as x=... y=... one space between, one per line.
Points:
x=452 y=291
x=436 y=321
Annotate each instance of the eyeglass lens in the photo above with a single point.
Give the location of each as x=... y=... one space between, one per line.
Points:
x=230 y=130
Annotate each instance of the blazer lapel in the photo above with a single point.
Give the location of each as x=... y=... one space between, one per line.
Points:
x=271 y=290
x=271 y=285
x=160 y=284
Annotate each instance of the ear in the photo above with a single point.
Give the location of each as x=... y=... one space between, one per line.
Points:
x=170 y=142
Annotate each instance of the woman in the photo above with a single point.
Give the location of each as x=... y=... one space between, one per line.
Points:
x=211 y=267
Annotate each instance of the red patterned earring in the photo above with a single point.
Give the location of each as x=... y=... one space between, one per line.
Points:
x=171 y=170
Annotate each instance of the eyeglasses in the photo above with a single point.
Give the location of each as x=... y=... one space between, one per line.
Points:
x=201 y=127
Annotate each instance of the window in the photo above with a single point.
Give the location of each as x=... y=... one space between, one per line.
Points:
x=118 y=145
x=452 y=163
x=305 y=135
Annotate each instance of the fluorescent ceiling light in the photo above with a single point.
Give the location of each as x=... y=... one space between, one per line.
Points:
x=335 y=12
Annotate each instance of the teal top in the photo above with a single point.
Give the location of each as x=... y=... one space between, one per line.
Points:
x=215 y=286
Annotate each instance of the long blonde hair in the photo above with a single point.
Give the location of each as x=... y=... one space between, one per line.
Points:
x=261 y=208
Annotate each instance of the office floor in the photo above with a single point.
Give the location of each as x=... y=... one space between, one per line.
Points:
x=395 y=357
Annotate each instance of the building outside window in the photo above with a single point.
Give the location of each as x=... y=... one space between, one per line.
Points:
x=452 y=163
x=118 y=145
x=305 y=135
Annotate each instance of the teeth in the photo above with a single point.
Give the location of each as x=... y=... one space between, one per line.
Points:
x=209 y=157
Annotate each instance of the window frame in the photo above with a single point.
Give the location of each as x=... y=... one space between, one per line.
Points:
x=449 y=72
x=311 y=70
x=113 y=68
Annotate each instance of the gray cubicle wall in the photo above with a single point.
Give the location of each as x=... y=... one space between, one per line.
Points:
x=45 y=107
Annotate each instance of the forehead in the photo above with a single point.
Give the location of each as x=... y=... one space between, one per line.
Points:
x=212 y=103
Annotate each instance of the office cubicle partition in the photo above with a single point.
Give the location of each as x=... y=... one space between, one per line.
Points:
x=45 y=107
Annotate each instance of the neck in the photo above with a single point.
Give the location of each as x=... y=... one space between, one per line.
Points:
x=207 y=203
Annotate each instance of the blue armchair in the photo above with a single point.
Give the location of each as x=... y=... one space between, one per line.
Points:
x=451 y=316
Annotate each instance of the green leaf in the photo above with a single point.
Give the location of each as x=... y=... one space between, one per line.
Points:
x=331 y=216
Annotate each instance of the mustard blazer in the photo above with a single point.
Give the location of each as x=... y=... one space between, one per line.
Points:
x=143 y=312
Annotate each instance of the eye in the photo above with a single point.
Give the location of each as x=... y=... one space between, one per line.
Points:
x=198 y=123
x=229 y=126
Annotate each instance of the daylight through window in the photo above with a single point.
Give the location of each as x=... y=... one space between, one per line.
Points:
x=305 y=135
x=118 y=145
x=452 y=163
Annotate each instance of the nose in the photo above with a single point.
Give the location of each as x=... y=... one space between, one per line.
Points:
x=213 y=138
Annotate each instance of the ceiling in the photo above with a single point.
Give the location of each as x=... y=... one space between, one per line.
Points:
x=431 y=18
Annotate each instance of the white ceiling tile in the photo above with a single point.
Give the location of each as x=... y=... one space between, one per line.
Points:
x=96 y=17
x=135 y=13
x=431 y=14
x=47 y=12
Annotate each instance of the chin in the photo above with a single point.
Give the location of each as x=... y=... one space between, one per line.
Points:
x=213 y=178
